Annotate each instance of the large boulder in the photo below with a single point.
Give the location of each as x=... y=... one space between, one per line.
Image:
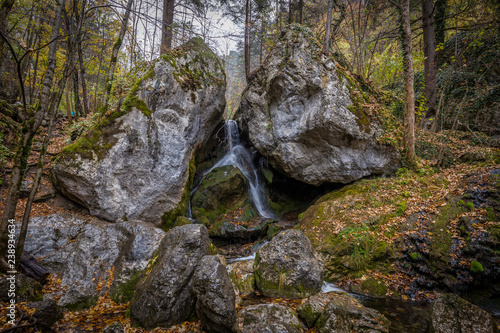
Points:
x=287 y=266
x=450 y=314
x=242 y=276
x=164 y=298
x=215 y=297
x=269 y=318
x=223 y=189
x=305 y=114
x=83 y=253
x=138 y=162
x=346 y=314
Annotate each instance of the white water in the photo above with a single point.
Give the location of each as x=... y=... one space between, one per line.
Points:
x=240 y=157
x=328 y=286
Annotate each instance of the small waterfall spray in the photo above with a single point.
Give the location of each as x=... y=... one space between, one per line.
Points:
x=241 y=158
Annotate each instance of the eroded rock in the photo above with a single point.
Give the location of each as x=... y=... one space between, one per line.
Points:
x=287 y=267
x=304 y=113
x=215 y=297
x=269 y=318
x=164 y=298
x=451 y=314
x=138 y=163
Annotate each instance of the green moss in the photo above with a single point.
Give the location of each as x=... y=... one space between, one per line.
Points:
x=400 y=208
x=212 y=249
x=125 y=291
x=308 y=315
x=372 y=287
x=469 y=205
x=476 y=267
x=82 y=305
x=273 y=230
x=168 y=218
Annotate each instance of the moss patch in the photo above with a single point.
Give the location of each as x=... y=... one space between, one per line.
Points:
x=168 y=219
x=124 y=292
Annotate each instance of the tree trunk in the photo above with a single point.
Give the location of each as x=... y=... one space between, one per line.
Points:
x=301 y=8
x=114 y=54
x=247 y=40
x=41 y=161
x=440 y=26
x=5 y=8
x=290 y=12
x=167 y=26
x=430 y=58
x=409 y=121
x=326 y=45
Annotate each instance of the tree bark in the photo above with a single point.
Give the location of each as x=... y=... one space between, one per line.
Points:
x=5 y=8
x=301 y=8
x=326 y=45
x=114 y=54
x=440 y=26
x=429 y=58
x=247 y=40
x=30 y=126
x=167 y=26
x=409 y=121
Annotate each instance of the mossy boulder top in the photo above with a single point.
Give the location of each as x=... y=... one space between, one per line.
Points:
x=304 y=112
x=135 y=164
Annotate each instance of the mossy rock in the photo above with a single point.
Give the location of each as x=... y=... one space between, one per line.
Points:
x=123 y=292
x=222 y=190
x=26 y=288
x=371 y=287
x=169 y=218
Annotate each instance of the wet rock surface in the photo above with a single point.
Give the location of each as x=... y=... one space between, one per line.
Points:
x=450 y=314
x=287 y=267
x=137 y=166
x=242 y=276
x=345 y=314
x=300 y=112
x=164 y=298
x=215 y=297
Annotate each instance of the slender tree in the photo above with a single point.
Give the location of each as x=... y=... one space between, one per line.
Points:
x=409 y=121
x=430 y=68
x=247 y=40
x=167 y=27
x=326 y=45
x=30 y=125
x=114 y=54
x=5 y=8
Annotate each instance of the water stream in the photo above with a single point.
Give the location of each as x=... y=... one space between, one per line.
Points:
x=241 y=158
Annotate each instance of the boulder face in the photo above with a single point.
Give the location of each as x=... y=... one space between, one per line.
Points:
x=165 y=298
x=287 y=267
x=215 y=297
x=346 y=314
x=222 y=190
x=450 y=313
x=304 y=114
x=138 y=162
x=269 y=318
x=82 y=254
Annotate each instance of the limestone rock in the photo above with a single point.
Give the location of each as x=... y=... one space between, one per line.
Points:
x=451 y=314
x=165 y=297
x=269 y=318
x=287 y=267
x=47 y=313
x=346 y=314
x=222 y=190
x=305 y=116
x=82 y=253
x=215 y=297
x=136 y=163
x=242 y=276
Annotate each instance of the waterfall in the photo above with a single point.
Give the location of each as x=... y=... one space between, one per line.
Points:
x=241 y=158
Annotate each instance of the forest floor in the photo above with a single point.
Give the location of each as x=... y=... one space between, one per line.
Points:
x=418 y=190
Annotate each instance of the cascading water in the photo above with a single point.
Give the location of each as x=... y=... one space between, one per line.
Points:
x=241 y=158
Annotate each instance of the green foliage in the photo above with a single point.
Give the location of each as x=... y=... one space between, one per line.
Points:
x=476 y=267
x=400 y=208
